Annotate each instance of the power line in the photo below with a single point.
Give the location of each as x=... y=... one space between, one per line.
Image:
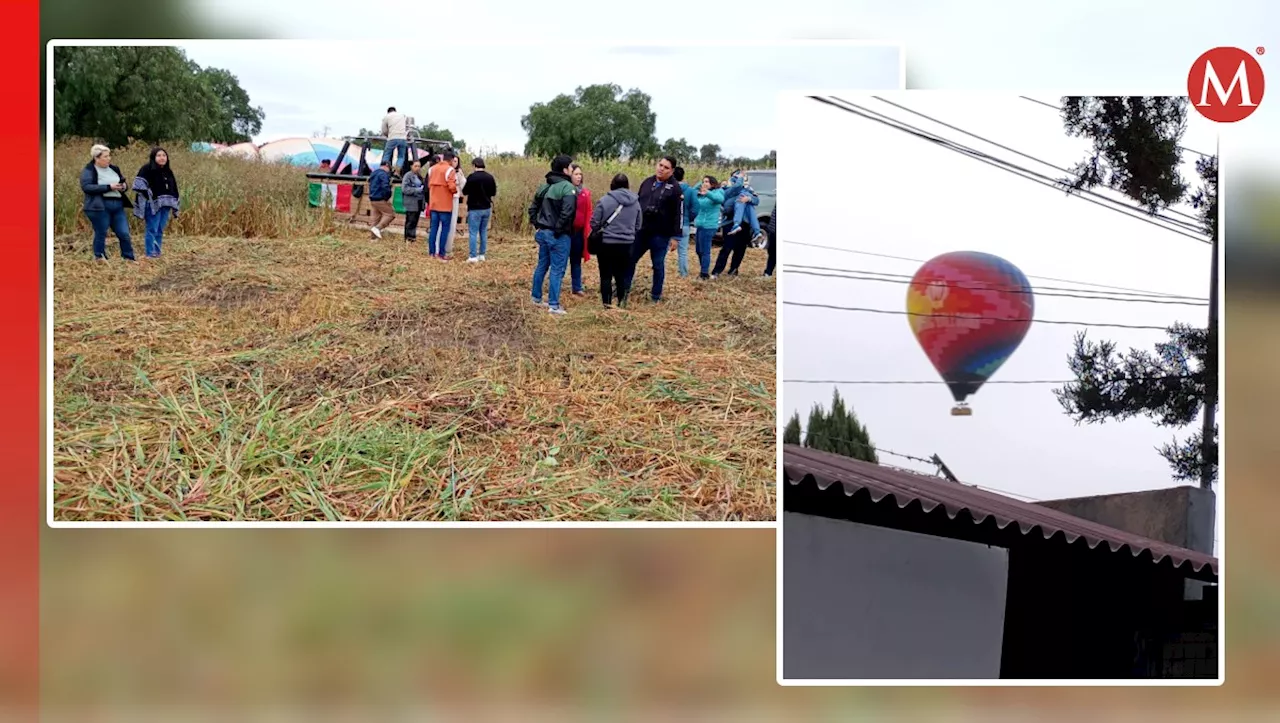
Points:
x=1008 y=167
x=914 y=382
x=1010 y=290
x=805 y=434
x=1041 y=161
x=1059 y=109
x=1089 y=195
x=1030 y=276
x=974 y=316
x=908 y=278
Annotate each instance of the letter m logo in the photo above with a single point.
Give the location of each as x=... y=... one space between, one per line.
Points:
x=1230 y=102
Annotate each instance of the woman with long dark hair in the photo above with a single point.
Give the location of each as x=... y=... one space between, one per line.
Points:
x=578 y=251
x=157 y=190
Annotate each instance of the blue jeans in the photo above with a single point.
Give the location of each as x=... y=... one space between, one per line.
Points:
x=703 y=242
x=389 y=152
x=113 y=218
x=553 y=256
x=478 y=226
x=439 y=229
x=745 y=211
x=657 y=246
x=155 y=229
x=682 y=251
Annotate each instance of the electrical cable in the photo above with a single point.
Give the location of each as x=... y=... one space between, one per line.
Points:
x=1030 y=276
x=907 y=278
x=1097 y=324
x=914 y=382
x=1008 y=167
x=1058 y=108
x=1028 y=156
x=804 y=434
x=1036 y=292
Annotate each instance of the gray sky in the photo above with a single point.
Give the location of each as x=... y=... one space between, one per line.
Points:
x=900 y=195
x=1000 y=47
x=494 y=86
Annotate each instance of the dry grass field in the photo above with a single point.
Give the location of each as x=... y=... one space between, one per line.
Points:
x=274 y=366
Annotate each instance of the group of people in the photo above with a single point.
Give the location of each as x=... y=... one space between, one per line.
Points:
x=624 y=226
x=437 y=196
x=105 y=201
x=663 y=214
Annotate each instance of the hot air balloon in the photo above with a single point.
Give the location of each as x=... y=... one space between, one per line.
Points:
x=969 y=311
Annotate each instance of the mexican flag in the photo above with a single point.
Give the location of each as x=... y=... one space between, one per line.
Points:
x=334 y=195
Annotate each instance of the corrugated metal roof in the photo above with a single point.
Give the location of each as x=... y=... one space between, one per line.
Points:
x=802 y=465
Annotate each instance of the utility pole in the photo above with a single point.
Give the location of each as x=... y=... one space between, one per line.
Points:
x=1211 y=390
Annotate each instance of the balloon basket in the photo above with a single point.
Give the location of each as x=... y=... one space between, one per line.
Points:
x=962 y=410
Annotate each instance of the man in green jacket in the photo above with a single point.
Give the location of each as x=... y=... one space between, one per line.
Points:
x=551 y=214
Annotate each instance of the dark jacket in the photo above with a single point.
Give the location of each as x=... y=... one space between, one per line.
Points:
x=663 y=207
x=412 y=192
x=380 y=185
x=626 y=224
x=554 y=205
x=480 y=190
x=772 y=228
x=93 y=191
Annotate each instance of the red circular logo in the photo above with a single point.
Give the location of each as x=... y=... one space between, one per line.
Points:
x=1225 y=84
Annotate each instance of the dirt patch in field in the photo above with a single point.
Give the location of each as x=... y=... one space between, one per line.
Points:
x=475 y=323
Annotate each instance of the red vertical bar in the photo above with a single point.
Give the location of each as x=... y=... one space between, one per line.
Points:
x=20 y=482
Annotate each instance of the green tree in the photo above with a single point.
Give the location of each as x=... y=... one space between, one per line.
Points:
x=598 y=121
x=1136 y=151
x=836 y=430
x=435 y=132
x=147 y=93
x=682 y=150
x=232 y=116
x=709 y=153
x=791 y=432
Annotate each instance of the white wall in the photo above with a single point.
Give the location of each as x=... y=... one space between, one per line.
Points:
x=863 y=602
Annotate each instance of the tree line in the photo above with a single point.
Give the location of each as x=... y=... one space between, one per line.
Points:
x=119 y=94
x=154 y=93
x=602 y=122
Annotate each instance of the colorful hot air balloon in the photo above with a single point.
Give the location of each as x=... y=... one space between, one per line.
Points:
x=969 y=311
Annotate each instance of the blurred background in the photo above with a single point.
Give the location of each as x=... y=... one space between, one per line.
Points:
x=610 y=625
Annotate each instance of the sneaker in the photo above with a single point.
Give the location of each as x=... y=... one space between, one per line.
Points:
x=377 y=232
x=758 y=240
x=481 y=257
x=714 y=277
x=557 y=310
x=736 y=229
x=537 y=302
x=579 y=293
x=705 y=277
x=442 y=257
x=473 y=260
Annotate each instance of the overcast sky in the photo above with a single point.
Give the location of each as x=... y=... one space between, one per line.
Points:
x=1001 y=47
x=304 y=88
x=891 y=193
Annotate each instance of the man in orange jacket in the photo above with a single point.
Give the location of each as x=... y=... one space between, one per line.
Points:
x=442 y=184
